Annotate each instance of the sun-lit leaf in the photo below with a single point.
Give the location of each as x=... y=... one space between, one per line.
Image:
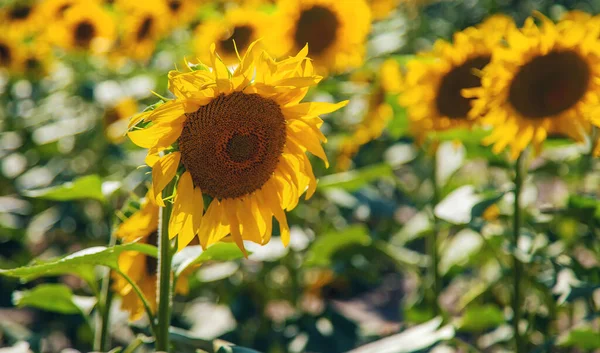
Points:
x=414 y=339
x=355 y=179
x=325 y=246
x=87 y=187
x=582 y=338
x=56 y=298
x=194 y=255
x=480 y=318
x=81 y=263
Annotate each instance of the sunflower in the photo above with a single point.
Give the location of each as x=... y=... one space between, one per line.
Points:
x=543 y=83
x=116 y=118
x=22 y=18
x=37 y=59
x=54 y=10
x=142 y=227
x=434 y=80
x=181 y=11
x=145 y=24
x=11 y=52
x=335 y=31
x=240 y=139
x=378 y=115
x=240 y=25
x=85 y=26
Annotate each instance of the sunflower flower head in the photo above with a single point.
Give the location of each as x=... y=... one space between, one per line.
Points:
x=239 y=140
x=434 y=80
x=543 y=82
x=142 y=227
x=22 y=18
x=11 y=52
x=335 y=31
x=232 y=34
x=84 y=26
x=144 y=24
x=379 y=112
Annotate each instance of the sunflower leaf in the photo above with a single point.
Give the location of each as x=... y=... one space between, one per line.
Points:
x=81 y=263
x=355 y=179
x=87 y=187
x=325 y=246
x=194 y=255
x=56 y=298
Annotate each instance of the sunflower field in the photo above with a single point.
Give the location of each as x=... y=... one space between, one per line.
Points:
x=319 y=176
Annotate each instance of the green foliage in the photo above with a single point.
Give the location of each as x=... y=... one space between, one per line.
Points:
x=192 y=256
x=582 y=338
x=87 y=187
x=81 y=263
x=325 y=246
x=354 y=180
x=481 y=318
x=56 y=298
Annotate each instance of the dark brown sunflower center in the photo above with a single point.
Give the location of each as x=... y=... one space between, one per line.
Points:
x=32 y=64
x=241 y=35
x=5 y=54
x=145 y=28
x=84 y=33
x=549 y=84
x=449 y=100
x=317 y=26
x=231 y=146
x=151 y=262
x=174 y=5
x=20 y=12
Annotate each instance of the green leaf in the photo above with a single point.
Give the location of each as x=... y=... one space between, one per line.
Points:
x=583 y=338
x=87 y=187
x=194 y=255
x=481 y=318
x=414 y=339
x=479 y=208
x=56 y=298
x=325 y=246
x=81 y=263
x=399 y=125
x=355 y=179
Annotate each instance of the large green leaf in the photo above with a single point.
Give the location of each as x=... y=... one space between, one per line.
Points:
x=194 y=255
x=87 y=187
x=56 y=298
x=355 y=179
x=81 y=263
x=480 y=318
x=325 y=246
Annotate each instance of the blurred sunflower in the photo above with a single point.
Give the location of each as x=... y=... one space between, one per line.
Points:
x=142 y=227
x=116 y=119
x=242 y=25
x=21 y=18
x=434 y=80
x=181 y=11
x=85 y=26
x=335 y=31
x=378 y=114
x=37 y=59
x=543 y=83
x=11 y=52
x=242 y=138
x=145 y=24
x=55 y=9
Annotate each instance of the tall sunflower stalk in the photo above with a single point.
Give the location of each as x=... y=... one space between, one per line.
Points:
x=516 y=263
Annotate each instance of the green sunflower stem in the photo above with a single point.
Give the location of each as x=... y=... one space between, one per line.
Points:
x=165 y=275
x=104 y=302
x=433 y=239
x=517 y=265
